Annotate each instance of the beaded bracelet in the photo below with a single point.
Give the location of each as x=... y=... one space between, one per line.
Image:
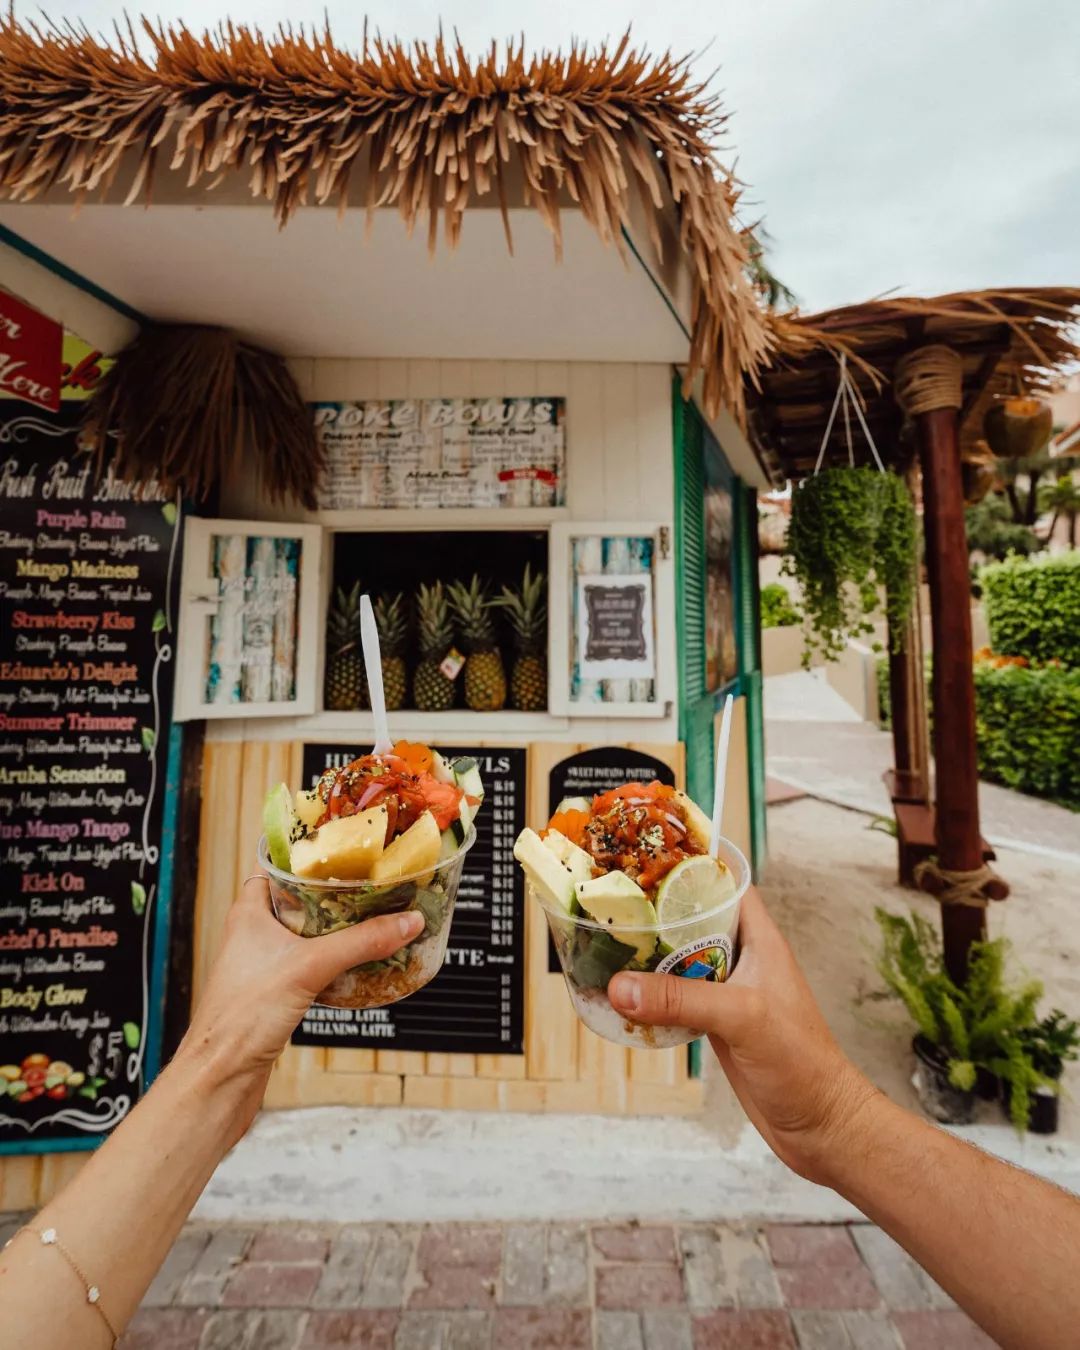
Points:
x=48 y=1238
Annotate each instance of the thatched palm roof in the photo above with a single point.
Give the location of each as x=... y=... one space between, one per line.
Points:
x=1007 y=339
x=423 y=128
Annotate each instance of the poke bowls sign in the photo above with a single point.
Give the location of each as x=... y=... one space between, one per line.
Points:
x=422 y=453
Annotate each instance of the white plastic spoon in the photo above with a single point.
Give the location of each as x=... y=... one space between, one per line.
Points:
x=721 y=775
x=369 y=640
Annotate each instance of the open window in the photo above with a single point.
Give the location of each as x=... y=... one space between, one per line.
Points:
x=413 y=579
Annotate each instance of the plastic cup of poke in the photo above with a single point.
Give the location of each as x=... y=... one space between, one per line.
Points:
x=678 y=914
x=382 y=834
x=311 y=908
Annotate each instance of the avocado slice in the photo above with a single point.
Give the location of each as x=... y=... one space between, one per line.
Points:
x=547 y=875
x=620 y=903
x=577 y=862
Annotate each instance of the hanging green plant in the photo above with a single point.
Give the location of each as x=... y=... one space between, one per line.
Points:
x=851 y=535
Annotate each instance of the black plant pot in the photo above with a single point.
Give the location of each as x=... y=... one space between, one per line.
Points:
x=939 y=1099
x=1044 y=1110
x=987 y=1085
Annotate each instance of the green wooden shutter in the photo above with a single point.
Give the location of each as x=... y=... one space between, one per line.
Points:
x=748 y=617
x=695 y=708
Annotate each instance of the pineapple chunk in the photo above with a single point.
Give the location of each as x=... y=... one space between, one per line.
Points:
x=308 y=807
x=344 y=849
x=410 y=853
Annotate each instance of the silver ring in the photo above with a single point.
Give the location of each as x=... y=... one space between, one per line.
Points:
x=257 y=876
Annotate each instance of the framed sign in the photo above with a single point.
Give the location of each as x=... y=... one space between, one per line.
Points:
x=460 y=453
x=87 y=617
x=611 y=645
x=248 y=619
x=476 y=1003
x=616 y=639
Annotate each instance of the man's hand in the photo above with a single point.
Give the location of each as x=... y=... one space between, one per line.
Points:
x=792 y=1078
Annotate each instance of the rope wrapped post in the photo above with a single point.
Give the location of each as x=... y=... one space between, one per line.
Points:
x=928 y=385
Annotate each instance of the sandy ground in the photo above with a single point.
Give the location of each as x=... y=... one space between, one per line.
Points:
x=827 y=871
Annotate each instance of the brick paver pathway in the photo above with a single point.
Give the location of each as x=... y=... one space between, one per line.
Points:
x=545 y=1287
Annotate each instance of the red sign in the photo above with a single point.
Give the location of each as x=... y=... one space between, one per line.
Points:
x=31 y=348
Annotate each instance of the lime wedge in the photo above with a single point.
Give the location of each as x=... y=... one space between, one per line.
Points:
x=279 y=822
x=694 y=886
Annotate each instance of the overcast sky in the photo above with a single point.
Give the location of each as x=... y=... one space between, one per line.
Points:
x=919 y=145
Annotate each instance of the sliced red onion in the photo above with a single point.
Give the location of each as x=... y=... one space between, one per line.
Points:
x=372 y=790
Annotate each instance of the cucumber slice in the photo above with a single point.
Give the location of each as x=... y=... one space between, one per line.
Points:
x=467 y=777
x=575 y=804
x=279 y=825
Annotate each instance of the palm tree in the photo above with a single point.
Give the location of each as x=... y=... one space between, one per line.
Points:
x=1062 y=498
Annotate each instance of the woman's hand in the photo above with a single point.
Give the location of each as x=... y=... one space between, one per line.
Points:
x=793 y=1080
x=264 y=980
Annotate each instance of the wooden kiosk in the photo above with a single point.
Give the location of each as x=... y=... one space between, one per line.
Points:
x=575 y=404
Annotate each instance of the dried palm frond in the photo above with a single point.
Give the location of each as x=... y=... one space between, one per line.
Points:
x=197 y=406
x=1008 y=339
x=422 y=127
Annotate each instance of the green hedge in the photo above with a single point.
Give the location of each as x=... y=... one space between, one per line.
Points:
x=1027 y=723
x=1027 y=727
x=777 y=611
x=1033 y=607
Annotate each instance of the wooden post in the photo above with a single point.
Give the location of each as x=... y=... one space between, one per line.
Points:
x=910 y=781
x=959 y=840
x=928 y=386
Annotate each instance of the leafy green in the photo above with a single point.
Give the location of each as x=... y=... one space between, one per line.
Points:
x=596 y=957
x=1027 y=726
x=132 y=1035
x=432 y=905
x=777 y=611
x=852 y=532
x=1033 y=607
x=159 y=621
x=138 y=897
x=986 y=1023
x=1051 y=1043
x=149 y=738
x=168 y=510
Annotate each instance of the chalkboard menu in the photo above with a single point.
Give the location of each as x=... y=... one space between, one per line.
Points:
x=476 y=1004
x=595 y=771
x=86 y=638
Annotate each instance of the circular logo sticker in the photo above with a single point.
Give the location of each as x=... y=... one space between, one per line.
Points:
x=707 y=958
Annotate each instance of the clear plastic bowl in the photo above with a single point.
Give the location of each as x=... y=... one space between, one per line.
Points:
x=703 y=947
x=311 y=908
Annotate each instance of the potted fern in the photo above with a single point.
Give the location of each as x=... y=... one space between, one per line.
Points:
x=960 y=1030
x=1047 y=1047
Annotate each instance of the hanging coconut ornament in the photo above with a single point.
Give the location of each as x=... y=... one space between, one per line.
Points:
x=979 y=468
x=191 y=407
x=1017 y=427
